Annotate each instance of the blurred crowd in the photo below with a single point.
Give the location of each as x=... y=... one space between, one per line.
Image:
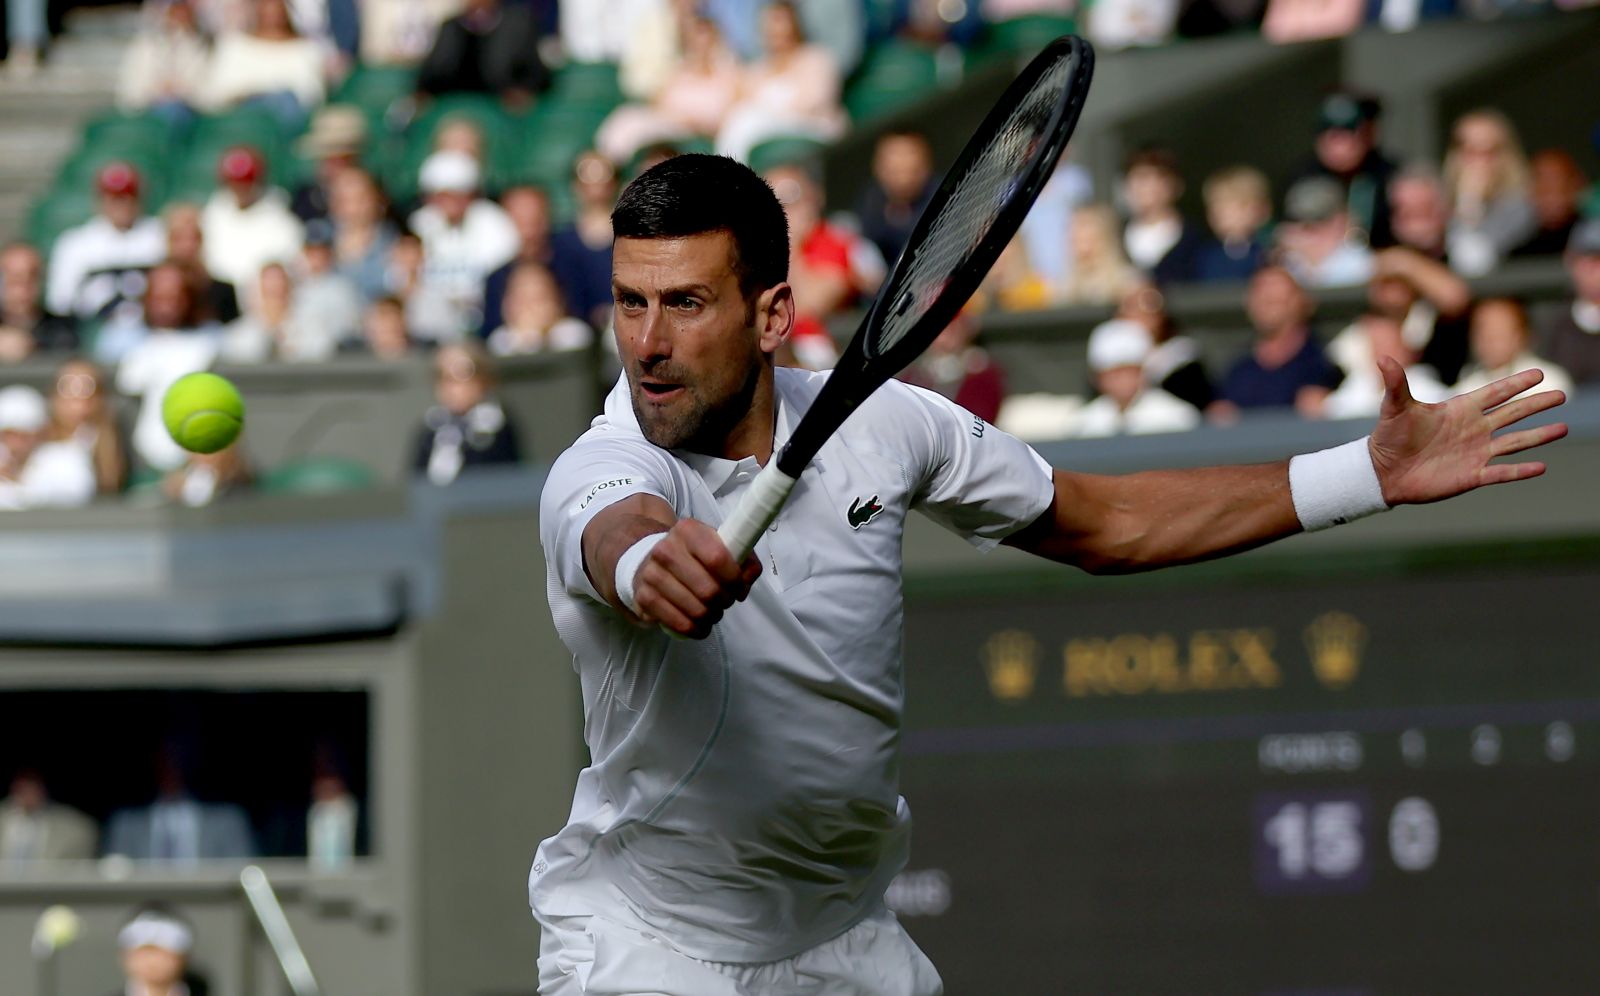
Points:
x=458 y=261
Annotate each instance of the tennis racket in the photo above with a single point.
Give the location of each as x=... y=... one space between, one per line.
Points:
x=970 y=219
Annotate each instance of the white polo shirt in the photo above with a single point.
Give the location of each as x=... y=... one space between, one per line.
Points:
x=743 y=796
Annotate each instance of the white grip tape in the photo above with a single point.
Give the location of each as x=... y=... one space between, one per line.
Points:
x=1335 y=486
x=628 y=568
x=756 y=510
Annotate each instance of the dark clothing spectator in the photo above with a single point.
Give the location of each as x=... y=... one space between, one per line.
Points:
x=181 y=830
x=888 y=223
x=448 y=444
x=584 y=273
x=488 y=48
x=1181 y=263
x=1366 y=195
x=1175 y=367
x=1217 y=261
x=1572 y=340
x=1251 y=385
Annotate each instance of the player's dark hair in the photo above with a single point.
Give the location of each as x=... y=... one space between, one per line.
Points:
x=695 y=194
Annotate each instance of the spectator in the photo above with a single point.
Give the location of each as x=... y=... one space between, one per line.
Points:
x=1118 y=352
x=1238 y=209
x=1500 y=335
x=1047 y=230
x=35 y=473
x=1174 y=362
x=219 y=300
x=1307 y=20
x=465 y=237
x=1427 y=300
x=1360 y=394
x=490 y=47
x=528 y=207
x=334 y=142
x=156 y=944
x=205 y=477
x=1420 y=211
x=581 y=252
x=1488 y=181
x=459 y=133
x=1114 y=24
x=1100 y=273
x=363 y=235
x=430 y=315
x=34 y=827
x=644 y=38
x=176 y=827
x=829 y=266
x=692 y=102
x=792 y=90
x=1558 y=186
x=902 y=184
x=1347 y=150
x=961 y=370
x=536 y=320
x=88 y=263
x=268 y=66
x=401 y=32
x=1286 y=365
x=467 y=427
x=383 y=329
x=25 y=326
x=81 y=415
x=328 y=302
x=27 y=34
x=247 y=223
x=165 y=68
x=1157 y=239
x=268 y=329
x=331 y=819
x=1572 y=339
x=153 y=352
x=1316 y=237
x=1012 y=284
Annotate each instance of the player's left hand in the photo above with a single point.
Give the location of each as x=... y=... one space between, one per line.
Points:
x=1427 y=453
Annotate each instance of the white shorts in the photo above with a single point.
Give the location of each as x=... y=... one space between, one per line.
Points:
x=592 y=956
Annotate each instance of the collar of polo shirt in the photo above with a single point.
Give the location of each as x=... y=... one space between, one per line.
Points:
x=719 y=474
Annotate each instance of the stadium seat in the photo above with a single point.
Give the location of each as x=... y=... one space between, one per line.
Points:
x=1024 y=35
x=196 y=176
x=893 y=75
x=553 y=136
x=587 y=84
x=317 y=475
x=500 y=137
x=785 y=151
x=375 y=88
x=77 y=174
x=135 y=132
x=56 y=213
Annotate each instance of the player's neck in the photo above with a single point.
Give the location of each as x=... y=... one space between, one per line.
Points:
x=752 y=436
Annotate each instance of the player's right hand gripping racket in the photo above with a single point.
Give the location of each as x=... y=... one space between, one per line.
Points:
x=974 y=213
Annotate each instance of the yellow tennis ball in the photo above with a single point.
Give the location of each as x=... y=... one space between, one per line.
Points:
x=203 y=412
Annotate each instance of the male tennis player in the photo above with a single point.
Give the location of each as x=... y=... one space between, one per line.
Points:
x=740 y=820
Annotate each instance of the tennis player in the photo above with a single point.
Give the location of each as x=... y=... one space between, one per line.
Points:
x=740 y=820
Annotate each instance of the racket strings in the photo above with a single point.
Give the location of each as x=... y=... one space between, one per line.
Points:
x=976 y=201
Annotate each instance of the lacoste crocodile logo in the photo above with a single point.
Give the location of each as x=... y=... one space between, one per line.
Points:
x=859 y=514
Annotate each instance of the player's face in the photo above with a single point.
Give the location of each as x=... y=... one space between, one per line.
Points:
x=693 y=347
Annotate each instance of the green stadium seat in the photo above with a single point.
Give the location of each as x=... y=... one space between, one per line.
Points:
x=139 y=132
x=375 y=88
x=587 y=84
x=318 y=475
x=892 y=76
x=56 y=213
x=1025 y=35
x=76 y=175
x=196 y=175
x=553 y=136
x=501 y=136
x=785 y=151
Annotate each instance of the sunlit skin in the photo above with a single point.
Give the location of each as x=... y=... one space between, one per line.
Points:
x=697 y=354
x=156 y=969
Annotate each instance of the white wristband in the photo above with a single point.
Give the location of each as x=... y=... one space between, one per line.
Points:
x=628 y=568
x=1332 y=487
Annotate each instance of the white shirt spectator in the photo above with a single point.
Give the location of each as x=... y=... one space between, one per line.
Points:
x=772 y=788
x=568 y=333
x=457 y=258
x=244 y=66
x=146 y=371
x=240 y=241
x=163 y=64
x=57 y=475
x=93 y=247
x=1153 y=411
x=1347 y=266
x=1556 y=377
x=1360 y=395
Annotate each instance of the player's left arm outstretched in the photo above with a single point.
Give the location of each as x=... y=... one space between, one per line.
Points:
x=1420 y=453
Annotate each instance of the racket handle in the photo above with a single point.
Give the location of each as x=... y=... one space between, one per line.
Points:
x=756 y=510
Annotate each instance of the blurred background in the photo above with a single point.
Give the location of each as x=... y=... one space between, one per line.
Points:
x=292 y=718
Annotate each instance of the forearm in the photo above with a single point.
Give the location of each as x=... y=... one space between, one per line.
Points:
x=1140 y=522
x=609 y=535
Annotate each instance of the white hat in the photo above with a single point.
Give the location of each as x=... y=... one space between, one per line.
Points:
x=450 y=171
x=1118 y=343
x=151 y=929
x=22 y=409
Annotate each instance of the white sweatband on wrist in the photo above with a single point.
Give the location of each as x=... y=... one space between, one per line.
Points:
x=1332 y=487
x=628 y=568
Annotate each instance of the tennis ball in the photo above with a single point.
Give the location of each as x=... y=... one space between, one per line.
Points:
x=203 y=412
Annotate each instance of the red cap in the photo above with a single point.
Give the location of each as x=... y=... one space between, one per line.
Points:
x=240 y=165
x=118 y=179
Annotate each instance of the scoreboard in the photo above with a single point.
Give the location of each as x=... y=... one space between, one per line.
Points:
x=1340 y=781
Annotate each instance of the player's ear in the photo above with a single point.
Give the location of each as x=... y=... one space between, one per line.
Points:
x=774 y=317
